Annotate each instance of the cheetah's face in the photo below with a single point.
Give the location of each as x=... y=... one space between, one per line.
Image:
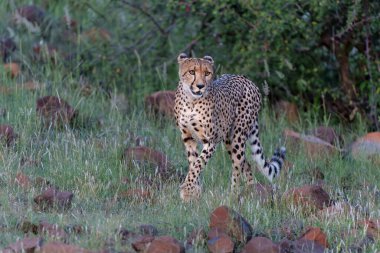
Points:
x=195 y=74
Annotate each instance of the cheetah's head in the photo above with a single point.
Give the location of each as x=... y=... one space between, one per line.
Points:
x=195 y=74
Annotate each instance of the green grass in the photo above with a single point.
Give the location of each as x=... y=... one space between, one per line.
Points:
x=86 y=159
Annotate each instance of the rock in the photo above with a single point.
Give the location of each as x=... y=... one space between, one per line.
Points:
x=23 y=180
x=52 y=197
x=367 y=147
x=12 y=69
x=141 y=243
x=260 y=245
x=165 y=244
x=161 y=102
x=328 y=134
x=147 y=229
x=287 y=109
x=31 y=13
x=314 y=147
x=58 y=247
x=232 y=223
x=309 y=197
x=300 y=246
x=27 y=245
x=7 y=135
x=52 y=230
x=144 y=154
x=7 y=47
x=55 y=111
x=372 y=226
x=221 y=244
x=316 y=234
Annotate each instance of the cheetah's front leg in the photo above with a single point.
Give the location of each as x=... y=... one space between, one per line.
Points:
x=191 y=188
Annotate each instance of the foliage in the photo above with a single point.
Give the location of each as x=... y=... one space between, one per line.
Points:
x=312 y=52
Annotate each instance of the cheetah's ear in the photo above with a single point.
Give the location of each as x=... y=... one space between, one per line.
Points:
x=209 y=59
x=182 y=57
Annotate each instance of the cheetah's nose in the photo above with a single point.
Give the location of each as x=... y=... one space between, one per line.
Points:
x=200 y=85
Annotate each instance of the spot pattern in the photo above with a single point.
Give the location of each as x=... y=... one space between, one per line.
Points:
x=211 y=111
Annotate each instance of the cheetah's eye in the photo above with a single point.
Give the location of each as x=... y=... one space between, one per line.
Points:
x=207 y=73
x=191 y=72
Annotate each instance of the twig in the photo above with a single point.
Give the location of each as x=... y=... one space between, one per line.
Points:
x=148 y=15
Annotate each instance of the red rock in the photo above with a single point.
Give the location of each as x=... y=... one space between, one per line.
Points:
x=221 y=244
x=52 y=230
x=13 y=69
x=328 y=134
x=141 y=243
x=314 y=147
x=367 y=146
x=372 y=226
x=161 y=102
x=55 y=111
x=300 y=246
x=7 y=135
x=58 y=247
x=232 y=223
x=23 y=180
x=165 y=244
x=31 y=13
x=260 y=245
x=52 y=197
x=287 y=109
x=309 y=197
x=215 y=232
x=145 y=154
x=316 y=234
x=27 y=245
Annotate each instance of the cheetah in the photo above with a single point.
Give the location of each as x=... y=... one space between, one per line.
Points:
x=211 y=111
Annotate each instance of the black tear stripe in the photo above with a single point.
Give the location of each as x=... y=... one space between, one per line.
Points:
x=193 y=80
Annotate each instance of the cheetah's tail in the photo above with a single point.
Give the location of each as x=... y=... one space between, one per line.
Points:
x=273 y=168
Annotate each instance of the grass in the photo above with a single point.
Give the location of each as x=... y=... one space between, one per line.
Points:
x=86 y=160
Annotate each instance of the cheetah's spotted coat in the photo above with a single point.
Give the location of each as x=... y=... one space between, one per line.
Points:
x=211 y=111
